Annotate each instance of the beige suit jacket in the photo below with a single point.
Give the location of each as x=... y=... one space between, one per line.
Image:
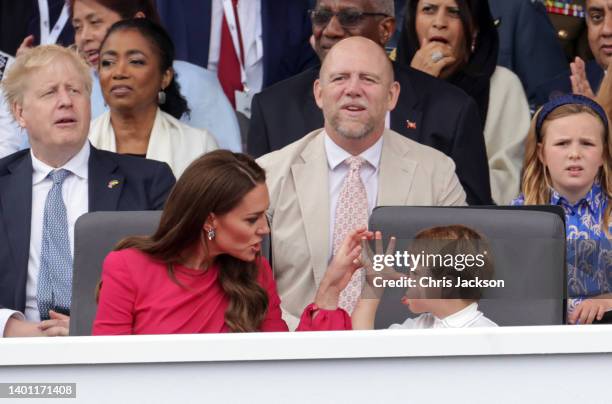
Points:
x=297 y=179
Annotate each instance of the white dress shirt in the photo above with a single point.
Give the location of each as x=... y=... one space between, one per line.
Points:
x=75 y=192
x=249 y=18
x=467 y=317
x=338 y=172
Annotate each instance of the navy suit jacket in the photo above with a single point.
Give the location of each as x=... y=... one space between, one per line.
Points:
x=66 y=37
x=561 y=84
x=21 y=18
x=429 y=111
x=142 y=185
x=527 y=43
x=286 y=29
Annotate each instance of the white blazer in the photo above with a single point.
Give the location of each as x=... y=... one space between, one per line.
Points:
x=171 y=141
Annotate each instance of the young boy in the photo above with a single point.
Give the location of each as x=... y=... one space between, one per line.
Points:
x=442 y=292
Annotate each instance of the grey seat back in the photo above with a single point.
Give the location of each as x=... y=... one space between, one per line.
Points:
x=528 y=254
x=95 y=235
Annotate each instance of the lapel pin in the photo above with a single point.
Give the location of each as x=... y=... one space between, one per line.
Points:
x=113 y=183
x=410 y=124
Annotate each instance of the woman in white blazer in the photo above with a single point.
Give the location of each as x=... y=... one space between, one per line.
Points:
x=137 y=82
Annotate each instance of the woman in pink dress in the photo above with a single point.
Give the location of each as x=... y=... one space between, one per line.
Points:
x=202 y=270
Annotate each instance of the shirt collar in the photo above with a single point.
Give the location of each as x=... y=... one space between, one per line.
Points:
x=77 y=165
x=592 y=199
x=462 y=318
x=336 y=154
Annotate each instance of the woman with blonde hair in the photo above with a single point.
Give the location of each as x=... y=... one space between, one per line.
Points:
x=567 y=163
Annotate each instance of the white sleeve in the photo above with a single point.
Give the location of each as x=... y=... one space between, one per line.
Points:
x=5 y=314
x=505 y=132
x=10 y=139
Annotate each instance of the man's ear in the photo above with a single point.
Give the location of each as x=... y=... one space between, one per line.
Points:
x=394 y=92
x=316 y=88
x=17 y=111
x=386 y=29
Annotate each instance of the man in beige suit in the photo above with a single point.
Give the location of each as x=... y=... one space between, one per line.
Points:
x=356 y=91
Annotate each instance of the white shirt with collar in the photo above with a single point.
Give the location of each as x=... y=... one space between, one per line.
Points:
x=338 y=172
x=75 y=192
x=467 y=317
x=249 y=18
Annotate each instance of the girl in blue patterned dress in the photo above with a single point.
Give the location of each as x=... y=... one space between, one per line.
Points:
x=567 y=163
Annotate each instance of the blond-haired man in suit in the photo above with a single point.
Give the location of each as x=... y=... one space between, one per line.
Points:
x=307 y=179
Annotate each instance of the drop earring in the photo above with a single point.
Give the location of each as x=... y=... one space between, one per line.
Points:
x=210 y=234
x=161 y=97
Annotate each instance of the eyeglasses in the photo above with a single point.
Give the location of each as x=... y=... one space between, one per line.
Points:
x=346 y=18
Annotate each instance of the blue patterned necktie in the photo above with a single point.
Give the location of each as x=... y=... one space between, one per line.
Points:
x=55 y=277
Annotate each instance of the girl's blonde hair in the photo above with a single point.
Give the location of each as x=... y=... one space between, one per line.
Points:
x=536 y=183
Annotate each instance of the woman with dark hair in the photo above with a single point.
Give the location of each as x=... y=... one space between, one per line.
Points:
x=205 y=99
x=457 y=41
x=202 y=270
x=137 y=80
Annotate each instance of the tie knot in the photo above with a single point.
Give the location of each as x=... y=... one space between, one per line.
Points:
x=354 y=162
x=58 y=176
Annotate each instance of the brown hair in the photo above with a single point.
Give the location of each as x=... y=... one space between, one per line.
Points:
x=536 y=182
x=214 y=183
x=462 y=240
x=126 y=8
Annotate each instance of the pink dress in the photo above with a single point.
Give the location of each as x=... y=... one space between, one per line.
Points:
x=138 y=297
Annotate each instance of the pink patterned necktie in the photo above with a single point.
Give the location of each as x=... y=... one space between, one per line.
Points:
x=351 y=213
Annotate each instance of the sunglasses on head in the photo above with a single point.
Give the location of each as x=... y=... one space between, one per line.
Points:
x=346 y=18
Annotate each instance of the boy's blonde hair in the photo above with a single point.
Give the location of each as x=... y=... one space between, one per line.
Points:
x=457 y=239
x=16 y=78
x=536 y=183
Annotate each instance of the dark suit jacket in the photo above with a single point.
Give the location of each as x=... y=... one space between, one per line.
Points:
x=285 y=24
x=446 y=119
x=561 y=84
x=527 y=43
x=21 y=18
x=143 y=185
x=66 y=37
